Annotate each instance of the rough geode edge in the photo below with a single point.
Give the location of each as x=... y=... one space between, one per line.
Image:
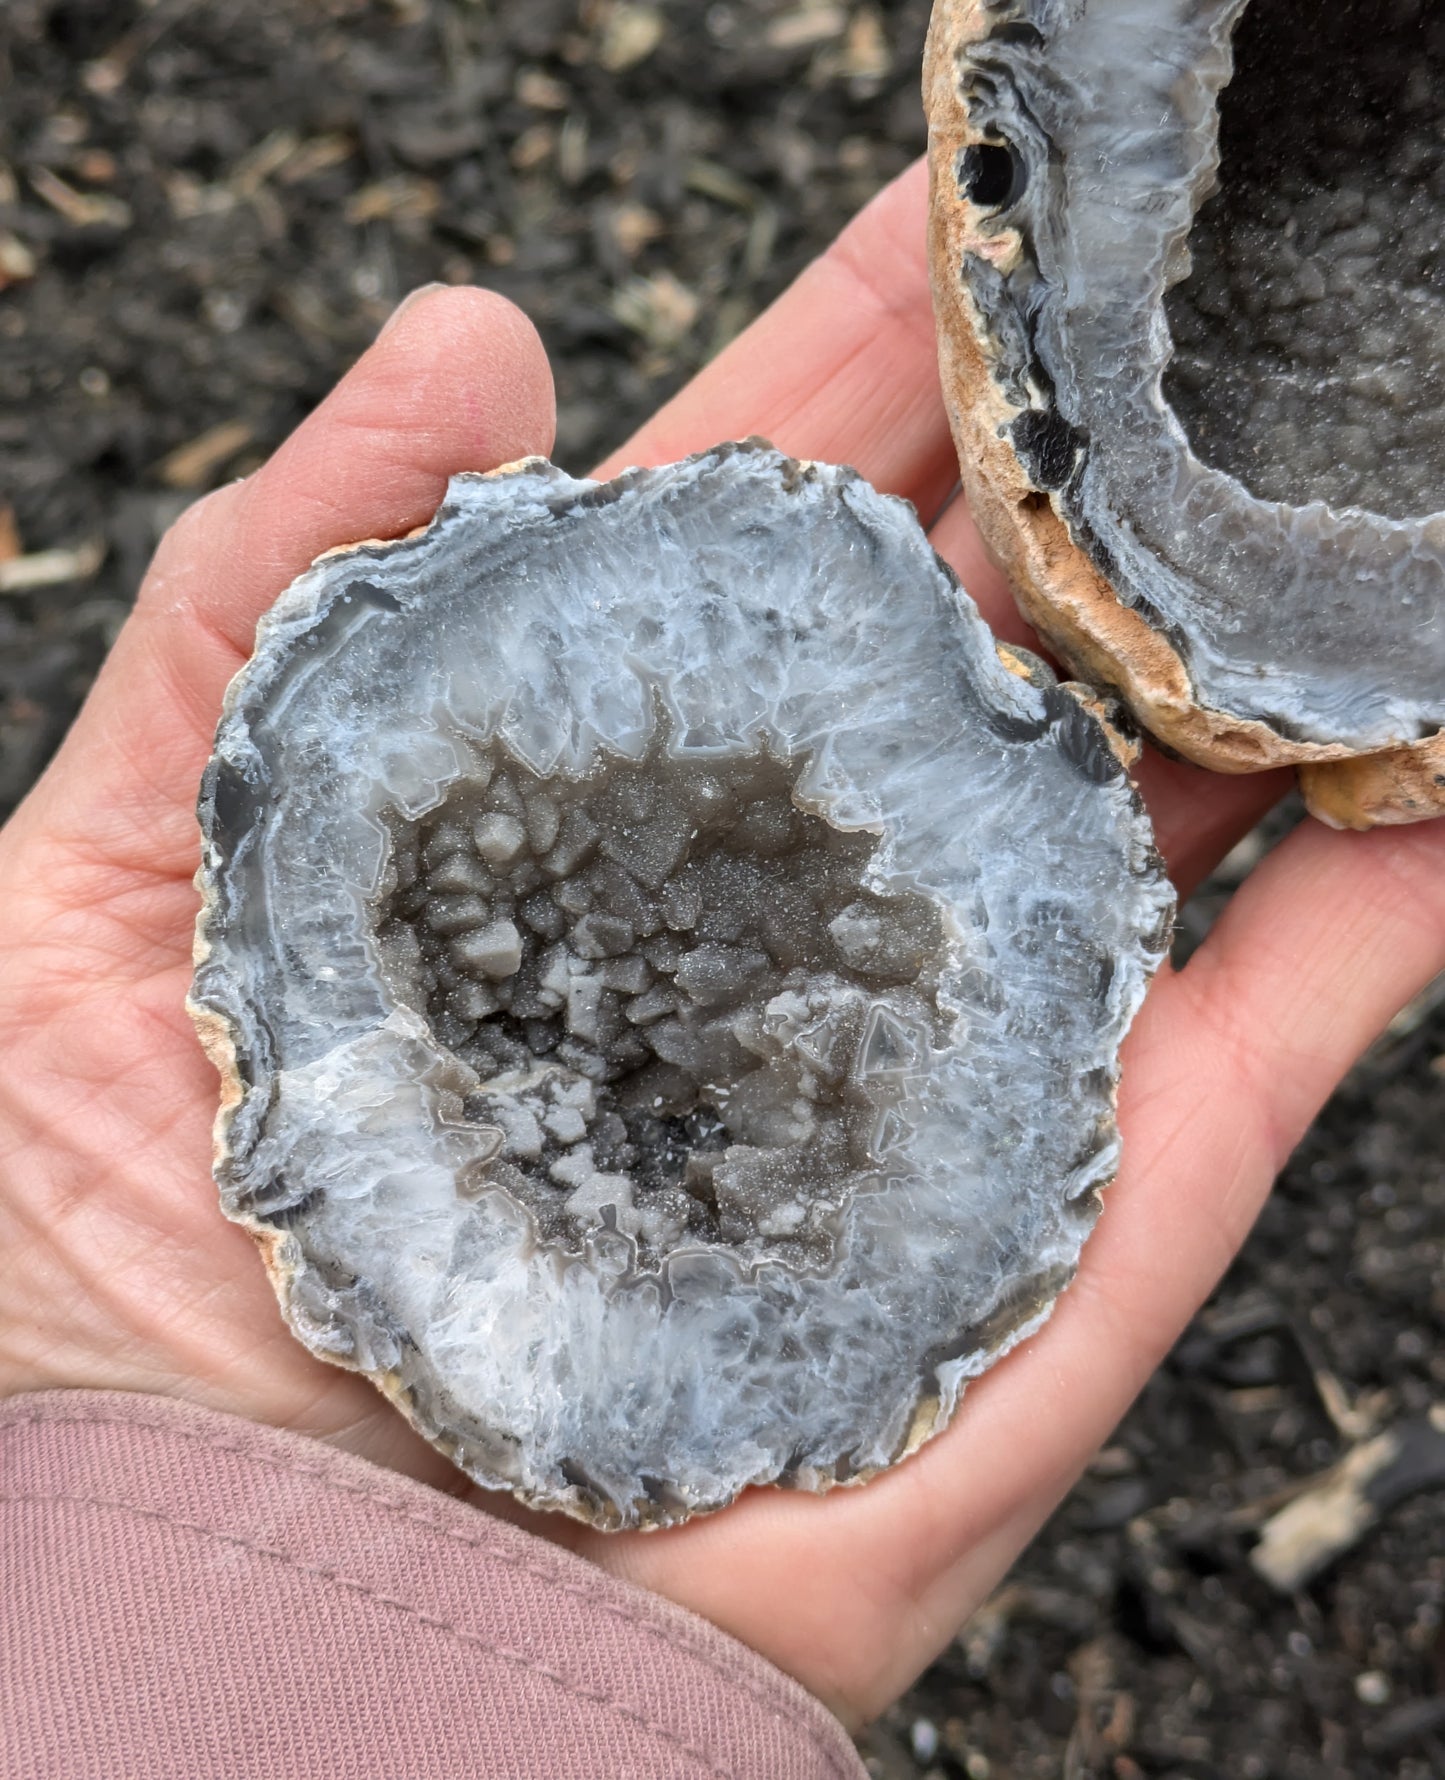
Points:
x=1059 y=588
x=1015 y=1319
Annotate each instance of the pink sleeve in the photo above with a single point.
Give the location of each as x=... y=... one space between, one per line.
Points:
x=184 y=1594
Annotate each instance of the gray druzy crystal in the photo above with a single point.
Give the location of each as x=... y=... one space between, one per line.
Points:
x=668 y=970
x=1224 y=350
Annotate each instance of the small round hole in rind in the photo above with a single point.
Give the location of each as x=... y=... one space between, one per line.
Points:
x=991 y=175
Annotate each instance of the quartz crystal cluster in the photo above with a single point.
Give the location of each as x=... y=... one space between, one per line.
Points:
x=1188 y=268
x=668 y=969
x=661 y=974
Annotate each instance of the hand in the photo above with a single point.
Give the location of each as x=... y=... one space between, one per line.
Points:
x=119 y=1270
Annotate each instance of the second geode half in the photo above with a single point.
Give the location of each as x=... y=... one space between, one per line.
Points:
x=1191 y=296
x=668 y=970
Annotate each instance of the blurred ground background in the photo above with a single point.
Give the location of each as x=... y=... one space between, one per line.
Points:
x=206 y=209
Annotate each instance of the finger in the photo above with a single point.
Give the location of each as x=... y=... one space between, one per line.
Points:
x=1199 y=815
x=458 y=382
x=1318 y=949
x=842 y=368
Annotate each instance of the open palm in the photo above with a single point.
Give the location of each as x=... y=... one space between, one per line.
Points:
x=118 y=1270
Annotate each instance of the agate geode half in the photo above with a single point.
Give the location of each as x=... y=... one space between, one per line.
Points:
x=1190 y=279
x=668 y=969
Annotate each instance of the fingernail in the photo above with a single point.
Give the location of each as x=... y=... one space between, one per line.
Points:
x=422 y=290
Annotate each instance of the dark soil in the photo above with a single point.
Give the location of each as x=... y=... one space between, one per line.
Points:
x=206 y=209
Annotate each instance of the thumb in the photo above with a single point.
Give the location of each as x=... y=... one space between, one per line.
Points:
x=457 y=380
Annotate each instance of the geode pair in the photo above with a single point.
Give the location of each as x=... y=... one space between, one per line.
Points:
x=667 y=964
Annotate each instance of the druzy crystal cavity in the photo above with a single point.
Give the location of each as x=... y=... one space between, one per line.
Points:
x=1188 y=267
x=668 y=970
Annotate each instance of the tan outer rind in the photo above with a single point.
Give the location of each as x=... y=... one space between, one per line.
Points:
x=1373 y=790
x=1057 y=587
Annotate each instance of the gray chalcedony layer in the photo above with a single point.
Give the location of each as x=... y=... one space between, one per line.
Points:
x=672 y=971
x=1319 y=617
